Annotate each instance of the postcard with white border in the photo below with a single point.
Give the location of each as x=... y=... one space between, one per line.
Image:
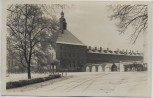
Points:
x=76 y=48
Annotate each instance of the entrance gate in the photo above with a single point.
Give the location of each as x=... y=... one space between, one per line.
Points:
x=114 y=67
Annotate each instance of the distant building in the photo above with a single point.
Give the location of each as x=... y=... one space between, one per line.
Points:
x=75 y=56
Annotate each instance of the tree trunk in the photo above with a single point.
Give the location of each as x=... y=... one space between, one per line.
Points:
x=29 y=72
x=50 y=67
x=53 y=68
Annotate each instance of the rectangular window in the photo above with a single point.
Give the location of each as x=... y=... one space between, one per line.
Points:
x=69 y=55
x=61 y=54
x=61 y=47
x=74 y=54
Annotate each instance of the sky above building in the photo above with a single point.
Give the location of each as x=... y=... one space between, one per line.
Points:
x=92 y=25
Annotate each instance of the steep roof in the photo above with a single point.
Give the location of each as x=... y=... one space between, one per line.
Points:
x=68 y=38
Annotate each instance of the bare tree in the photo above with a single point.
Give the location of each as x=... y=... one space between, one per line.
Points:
x=28 y=28
x=135 y=16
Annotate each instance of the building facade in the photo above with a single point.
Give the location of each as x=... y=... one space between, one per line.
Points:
x=70 y=51
x=95 y=55
x=106 y=60
x=75 y=56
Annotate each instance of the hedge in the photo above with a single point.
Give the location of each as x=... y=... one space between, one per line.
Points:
x=21 y=83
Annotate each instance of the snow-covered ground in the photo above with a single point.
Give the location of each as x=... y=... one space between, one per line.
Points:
x=90 y=84
x=24 y=76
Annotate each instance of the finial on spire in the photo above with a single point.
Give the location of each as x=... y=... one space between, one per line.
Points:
x=62 y=13
x=63 y=24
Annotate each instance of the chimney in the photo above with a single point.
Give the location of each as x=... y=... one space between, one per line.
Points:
x=89 y=47
x=118 y=50
x=95 y=48
x=107 y=49
x=132 y=51
x=123 y=50
x=100 y=49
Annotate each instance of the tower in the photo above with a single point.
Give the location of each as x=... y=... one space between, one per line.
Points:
x=63 y=24
x=70 y=51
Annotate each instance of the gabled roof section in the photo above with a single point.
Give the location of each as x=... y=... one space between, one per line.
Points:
x=68 y=38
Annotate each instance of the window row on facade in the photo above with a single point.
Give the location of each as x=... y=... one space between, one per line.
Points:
x=72 y=55
x=71 y=48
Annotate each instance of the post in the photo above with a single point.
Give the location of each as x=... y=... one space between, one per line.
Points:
x=66 y=72
x=50 y=69
x=53 y=69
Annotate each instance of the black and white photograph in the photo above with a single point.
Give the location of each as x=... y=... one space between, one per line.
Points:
x=76 y=48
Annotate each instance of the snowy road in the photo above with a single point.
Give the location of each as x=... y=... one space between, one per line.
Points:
x=90 y=84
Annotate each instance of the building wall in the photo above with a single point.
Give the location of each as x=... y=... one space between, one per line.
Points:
x=98 y=58
x=76 y=57
x=72 y=57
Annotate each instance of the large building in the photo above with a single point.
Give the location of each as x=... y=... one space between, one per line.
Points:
x=99 y=55
x=75 y=56
x=69 y=50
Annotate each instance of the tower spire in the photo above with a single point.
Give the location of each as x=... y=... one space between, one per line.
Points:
x=63 y=24
x=62 y=14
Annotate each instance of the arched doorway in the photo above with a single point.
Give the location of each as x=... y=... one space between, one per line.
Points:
x=87 y=69
x=107 y=68
x=121 y=67
x=100 y=68
x=96 y=68
x=103 y=67
x=93 y=68
x=90 y=68
x=114 y=67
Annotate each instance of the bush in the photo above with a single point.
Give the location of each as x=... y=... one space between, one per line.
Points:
x=21 y=83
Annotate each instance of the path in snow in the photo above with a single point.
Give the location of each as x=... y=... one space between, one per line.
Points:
x=90 y=84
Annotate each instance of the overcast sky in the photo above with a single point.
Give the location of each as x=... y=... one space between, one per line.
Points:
x=91 y=24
